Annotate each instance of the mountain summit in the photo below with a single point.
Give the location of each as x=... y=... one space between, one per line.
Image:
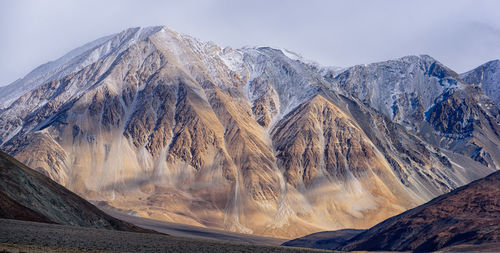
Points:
x=173 y=128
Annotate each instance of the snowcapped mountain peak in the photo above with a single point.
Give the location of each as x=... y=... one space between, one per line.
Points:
x=298 y=57
x=74 y=61
x=77 y=59
x=414 y=58
x=292 y=55
x=401 y=89
x=487 y=77
x=175 y=43
x=423 y=60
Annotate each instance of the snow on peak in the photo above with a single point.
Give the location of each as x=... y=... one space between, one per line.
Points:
x=74 y=61
x=292 y=55
x=487 y=76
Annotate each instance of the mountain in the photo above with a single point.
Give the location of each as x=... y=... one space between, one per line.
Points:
x=10 y=209
x=487 y=77
x=31 y=196
x=466 y=218
x=248 y=140
x=72 y=62
x=431 y=101
x=467 y=215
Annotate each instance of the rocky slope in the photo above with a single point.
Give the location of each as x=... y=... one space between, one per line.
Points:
x=28 y=195
x=247 y=140
x=487 y=77
x=467 y=217
x=10 y=209
x=72 y=62
x=432 y=101
x=324 y=240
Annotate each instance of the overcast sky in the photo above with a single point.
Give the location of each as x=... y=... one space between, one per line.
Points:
x=461 y=34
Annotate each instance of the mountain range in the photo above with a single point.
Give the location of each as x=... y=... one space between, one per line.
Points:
x=252 y=140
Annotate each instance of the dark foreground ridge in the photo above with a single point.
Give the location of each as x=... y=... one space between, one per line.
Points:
x=28 y=195
x=324 y=240
x=467 y=218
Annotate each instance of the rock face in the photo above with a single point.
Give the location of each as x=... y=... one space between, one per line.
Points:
x=72 y=62
x=29 y=195
x=466 y=218
x=246 y=140
x=432 y=101
x=487 y=77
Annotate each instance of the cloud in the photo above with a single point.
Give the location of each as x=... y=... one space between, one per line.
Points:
x=461 y=34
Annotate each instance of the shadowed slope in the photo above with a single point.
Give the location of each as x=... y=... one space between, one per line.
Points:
x=324 y=240
x=10 y=209
x=467 y=218
x=467 y=215
x=29 y=195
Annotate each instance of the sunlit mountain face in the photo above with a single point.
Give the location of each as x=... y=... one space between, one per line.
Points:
x=169 y=127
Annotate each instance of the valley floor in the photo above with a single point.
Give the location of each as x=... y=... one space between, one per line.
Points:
x=23 y=236
x=182 y=230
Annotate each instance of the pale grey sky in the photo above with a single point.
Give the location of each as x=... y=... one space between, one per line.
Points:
x=461 y=34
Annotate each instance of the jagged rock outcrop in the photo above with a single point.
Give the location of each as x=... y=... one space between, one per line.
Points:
x=248 y=140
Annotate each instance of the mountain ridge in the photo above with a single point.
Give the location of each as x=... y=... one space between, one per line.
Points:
x=173 y=124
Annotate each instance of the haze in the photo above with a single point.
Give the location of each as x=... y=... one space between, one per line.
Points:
x=460 y=34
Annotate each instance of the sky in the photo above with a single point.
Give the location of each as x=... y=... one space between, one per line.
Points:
x=461 y=34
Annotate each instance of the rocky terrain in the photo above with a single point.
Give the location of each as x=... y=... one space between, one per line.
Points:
x=486 y=77
x=467 y=218
x=28 y=195
x=433 y=101
x=168 y=127
x=23 y=236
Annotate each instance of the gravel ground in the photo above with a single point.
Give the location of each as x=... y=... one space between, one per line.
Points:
x=187 y=231
x=24 y=236
x=18 y=248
